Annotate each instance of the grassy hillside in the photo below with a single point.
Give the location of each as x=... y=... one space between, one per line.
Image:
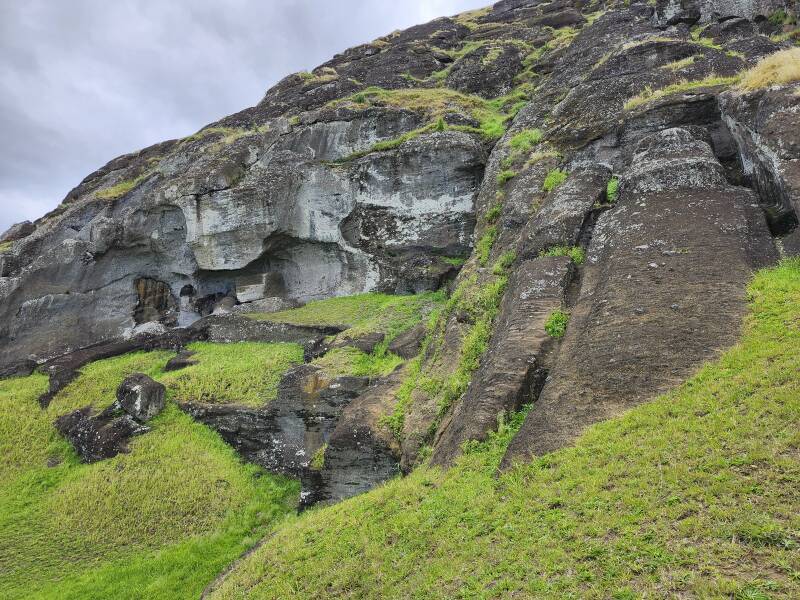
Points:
x=694 y=494
x=160 y=522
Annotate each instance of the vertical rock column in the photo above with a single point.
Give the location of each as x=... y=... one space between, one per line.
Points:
x=664 y=290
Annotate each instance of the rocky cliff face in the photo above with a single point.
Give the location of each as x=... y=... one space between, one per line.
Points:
x=516 y=141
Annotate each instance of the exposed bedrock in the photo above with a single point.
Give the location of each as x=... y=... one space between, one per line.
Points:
x=766 y=127
x=285 y=436
x=514 y=368
x=262 y=216
x=672 y=12
x=663 y=290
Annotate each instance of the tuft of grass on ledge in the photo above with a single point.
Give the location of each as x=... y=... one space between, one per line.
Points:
x=649 y=94
x=554 y=179
x=576 y=253
x=776 y=69
x=5 y=247
x=556 y=324
x=694 y=494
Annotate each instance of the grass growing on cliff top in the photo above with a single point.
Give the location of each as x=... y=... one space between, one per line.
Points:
x=160 y=522
x=245 y=373
x=361 y=313
x=694 y=494
x=778 y=68
x=649 y=94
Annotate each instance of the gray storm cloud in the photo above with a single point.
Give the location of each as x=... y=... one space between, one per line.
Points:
x=84 y=81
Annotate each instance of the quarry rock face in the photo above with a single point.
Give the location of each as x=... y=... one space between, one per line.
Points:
x=594 y=160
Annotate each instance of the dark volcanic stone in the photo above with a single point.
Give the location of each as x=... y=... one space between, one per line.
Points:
x=663 y=290
x=17 y=232
x=513 y=370
x=181 y=361
x=409 y=343
x=141 y=397
x=98 y=437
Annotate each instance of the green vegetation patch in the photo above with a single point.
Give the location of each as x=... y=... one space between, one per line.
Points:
x=556 y=324
x=554 y=179
x=484 y=246
x=5 y=247
x=525 y=141
x=649 y=94
x=576 y=253
x=361 y=313
x=612 y=190
x=694 y=494
x=352 y=361
x=245 y=373
x=159 y=522
x=123 y=187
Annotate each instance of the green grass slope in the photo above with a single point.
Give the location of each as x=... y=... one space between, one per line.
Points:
x=695 y=494
x=159 y=522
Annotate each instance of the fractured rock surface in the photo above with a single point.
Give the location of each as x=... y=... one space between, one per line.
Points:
x=663 y=290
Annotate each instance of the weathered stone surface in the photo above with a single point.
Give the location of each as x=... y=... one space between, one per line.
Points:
x=99 y=437
x=766 y=127
x=409 y=343
x=182 y=360
x=564 y=216
x=361 y=453
x=235 y=328
x=17 y=232
x=671 y=12
x=141 y=397
x=663 y=290
x=514 y=369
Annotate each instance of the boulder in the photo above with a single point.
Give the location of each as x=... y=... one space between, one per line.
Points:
x=99 y=437
x=17 y=231
x=141 y=397
x=409 y=343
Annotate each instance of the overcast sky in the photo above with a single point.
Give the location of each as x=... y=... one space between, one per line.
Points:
x=83 y=81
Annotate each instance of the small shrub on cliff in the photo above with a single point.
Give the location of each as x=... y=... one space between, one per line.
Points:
x=503 y=177
x=556 y=325
x=612 y=190
x=775 y=69
x=554 y=179
x=576 y=253
x=484 y=246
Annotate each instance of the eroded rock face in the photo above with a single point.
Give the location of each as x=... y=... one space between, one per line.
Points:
x=663 y=291
x=141 y=397
x=291 y=200
x=99 y=437
x=255 y=220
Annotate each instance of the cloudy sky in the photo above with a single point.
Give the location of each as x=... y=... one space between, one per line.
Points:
x=83 y=81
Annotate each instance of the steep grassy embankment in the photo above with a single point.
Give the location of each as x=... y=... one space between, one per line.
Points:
x=160 y=522
x=695 y=493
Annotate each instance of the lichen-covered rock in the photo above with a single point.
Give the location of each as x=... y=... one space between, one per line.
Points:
x=663 y=291
x=98 y=437
x=766 y=127
x=141 y=397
